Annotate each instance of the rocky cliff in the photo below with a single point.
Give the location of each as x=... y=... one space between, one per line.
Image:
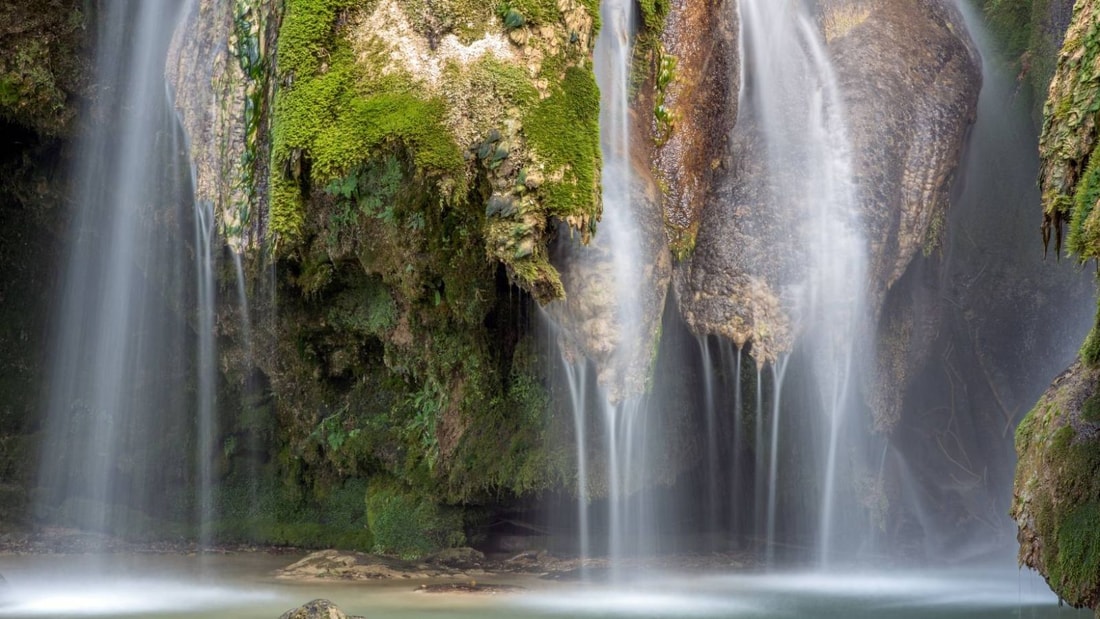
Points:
x=1056 y=497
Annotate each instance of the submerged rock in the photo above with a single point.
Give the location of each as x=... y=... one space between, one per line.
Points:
x=469 y=587
x=318 y=609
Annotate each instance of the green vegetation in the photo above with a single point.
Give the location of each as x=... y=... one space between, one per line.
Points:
x=409 y=525
x=1070 y=175
x=1058 y=487
x=1026 y=42
x=43 y=65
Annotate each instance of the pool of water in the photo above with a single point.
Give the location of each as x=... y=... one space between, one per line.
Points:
x=240 y=586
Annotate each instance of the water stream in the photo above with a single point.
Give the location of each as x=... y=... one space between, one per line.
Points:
x=793 y=98
x=122 y=354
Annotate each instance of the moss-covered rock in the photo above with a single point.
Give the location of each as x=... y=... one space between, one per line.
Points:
x=496 y=111
x=43 y=66
x=1070 y=175
x=1057 y=495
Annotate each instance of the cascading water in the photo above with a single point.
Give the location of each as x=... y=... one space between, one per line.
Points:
x=791 y=96
x=118 y=449
x=615 y=413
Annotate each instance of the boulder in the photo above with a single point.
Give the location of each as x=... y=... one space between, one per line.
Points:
x=1056 y=499
x=318 y=609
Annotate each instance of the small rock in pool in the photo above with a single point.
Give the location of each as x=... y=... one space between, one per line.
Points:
x=317 y=609
x=468 y=587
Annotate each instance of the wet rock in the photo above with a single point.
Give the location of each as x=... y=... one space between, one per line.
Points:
x=339 y=565
x=591 y=318
x=702 y=100
x=318 y=609
x=221 y=117
x=909 y=78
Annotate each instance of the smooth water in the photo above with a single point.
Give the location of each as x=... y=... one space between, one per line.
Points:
x=120 y=357
x=240 y=587
x=790 y=94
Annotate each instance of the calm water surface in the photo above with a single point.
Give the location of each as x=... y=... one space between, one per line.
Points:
x=241 y=587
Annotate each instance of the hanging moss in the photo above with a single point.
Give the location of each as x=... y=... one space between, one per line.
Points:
x=1069 y=177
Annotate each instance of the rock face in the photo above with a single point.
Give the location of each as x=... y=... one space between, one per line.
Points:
x=317 y=609
x=217 y=68
x=1057 y=496
x=702 y=38
x=1070 y=175
x=909 y=78
x=590 y=317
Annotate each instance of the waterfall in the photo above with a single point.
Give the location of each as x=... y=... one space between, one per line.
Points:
x=791 y=97
x=609 y=413
x=117 y=452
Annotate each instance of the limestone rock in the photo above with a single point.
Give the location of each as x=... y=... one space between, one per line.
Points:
x=317 y=609
x=911 y=76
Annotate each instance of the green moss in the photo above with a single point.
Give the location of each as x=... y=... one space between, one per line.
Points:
x=1070 y=173
x=1076 y=567
x=531 y=12
x=654 y=13
x=409 y=525
x=564 y=131
x=1090 y=410
x=466 y=19
x=1090 y=350
x=260 y=511
x=337 y=119
x=42 y=64
x=1069 y=522
x=1084 y=235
